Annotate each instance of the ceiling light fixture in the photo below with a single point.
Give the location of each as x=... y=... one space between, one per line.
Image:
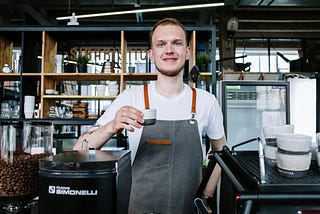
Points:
x=147 y=10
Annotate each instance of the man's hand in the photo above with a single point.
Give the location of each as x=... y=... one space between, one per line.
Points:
x=127 y=118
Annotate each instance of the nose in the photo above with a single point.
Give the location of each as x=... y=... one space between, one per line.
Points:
x=169 y=48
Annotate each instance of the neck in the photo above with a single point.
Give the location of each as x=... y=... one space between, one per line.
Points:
x=169 y=86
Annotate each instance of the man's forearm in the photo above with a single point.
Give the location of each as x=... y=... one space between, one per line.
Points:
x=95 y=138
x=213 y=181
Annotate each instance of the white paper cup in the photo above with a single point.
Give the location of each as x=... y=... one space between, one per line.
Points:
x=30 y=100
x=28 y=114
x=150 y=116
x=28 y=106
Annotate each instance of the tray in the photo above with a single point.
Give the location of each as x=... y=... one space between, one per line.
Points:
x=244 y=167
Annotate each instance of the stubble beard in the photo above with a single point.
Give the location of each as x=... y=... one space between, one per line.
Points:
x=171 y=73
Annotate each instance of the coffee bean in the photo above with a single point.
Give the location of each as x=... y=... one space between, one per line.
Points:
x=20 y=176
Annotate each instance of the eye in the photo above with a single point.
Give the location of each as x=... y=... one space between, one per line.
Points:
x=178 y=43
x=160 y=44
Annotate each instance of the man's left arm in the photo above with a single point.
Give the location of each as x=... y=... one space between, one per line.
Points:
x=216 y=145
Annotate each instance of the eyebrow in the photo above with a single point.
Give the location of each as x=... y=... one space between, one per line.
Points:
x=175 y=40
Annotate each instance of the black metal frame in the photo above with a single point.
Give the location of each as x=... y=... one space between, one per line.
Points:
x=250 y=195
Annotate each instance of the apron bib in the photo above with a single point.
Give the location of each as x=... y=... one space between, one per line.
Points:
x=167 y=168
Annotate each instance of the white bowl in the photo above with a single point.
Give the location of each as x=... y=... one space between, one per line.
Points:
x=273 y=131
x=318 y=157
x=294 y=142
x=270 y=155
x=318 y=139
x=293 y=162
x=270 y=151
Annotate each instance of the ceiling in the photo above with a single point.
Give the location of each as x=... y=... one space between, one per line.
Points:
x=260 y=18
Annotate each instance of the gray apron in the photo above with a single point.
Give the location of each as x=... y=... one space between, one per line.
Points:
x=167 y=168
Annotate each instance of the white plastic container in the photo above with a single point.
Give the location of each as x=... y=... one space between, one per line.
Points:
x=292 y=162
x=294 y=142
x=273 y=131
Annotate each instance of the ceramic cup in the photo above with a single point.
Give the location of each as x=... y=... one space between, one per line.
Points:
x=150 y=116
x=101 y=90
x=113 y=90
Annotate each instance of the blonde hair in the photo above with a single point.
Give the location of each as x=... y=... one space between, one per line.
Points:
x=167 y=21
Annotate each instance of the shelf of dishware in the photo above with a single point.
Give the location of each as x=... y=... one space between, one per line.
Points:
x=79 y=97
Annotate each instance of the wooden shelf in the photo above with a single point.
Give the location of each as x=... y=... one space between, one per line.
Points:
x=100 y=76
x=82 y=76
x=55 y=121
x=16 y=76
x=77 y=97
x=9 y=76
x=206 y=74
x=32 y=74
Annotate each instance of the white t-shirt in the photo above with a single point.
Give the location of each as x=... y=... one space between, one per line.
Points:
x=208 y=111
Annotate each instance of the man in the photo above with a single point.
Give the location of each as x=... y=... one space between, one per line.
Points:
x=167 y=156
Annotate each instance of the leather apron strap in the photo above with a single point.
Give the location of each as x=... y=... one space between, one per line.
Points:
x=146 y=96
x=194 y=100
x=193 y=104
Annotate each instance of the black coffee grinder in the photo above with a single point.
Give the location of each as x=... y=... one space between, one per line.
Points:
x=85 y=182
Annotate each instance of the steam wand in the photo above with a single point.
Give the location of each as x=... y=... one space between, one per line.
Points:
x=261 y=157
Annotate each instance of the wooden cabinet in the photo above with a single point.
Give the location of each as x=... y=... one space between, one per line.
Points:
x=39 y=45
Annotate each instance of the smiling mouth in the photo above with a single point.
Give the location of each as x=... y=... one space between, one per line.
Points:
x=170 y=59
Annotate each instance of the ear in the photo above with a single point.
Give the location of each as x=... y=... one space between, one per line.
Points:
x=151 y=56
x=187 y=53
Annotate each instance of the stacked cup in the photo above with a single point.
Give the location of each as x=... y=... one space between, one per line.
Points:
x=29 y=102
x=113 y=88
x=270 y=134
x=101 y=90
x=293 y=154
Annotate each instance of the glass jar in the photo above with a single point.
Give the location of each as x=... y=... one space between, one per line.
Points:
x=6 y=68
x=5 y=110
x=22 y=144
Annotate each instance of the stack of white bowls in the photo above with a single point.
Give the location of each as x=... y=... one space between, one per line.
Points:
x=293 y=154
x=270 y=147
x=318 y=149
x=113 y=88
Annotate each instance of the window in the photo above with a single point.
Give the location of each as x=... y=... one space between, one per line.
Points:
x=255 y=51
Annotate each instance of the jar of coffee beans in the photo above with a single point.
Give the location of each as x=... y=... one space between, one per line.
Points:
x=21 y=146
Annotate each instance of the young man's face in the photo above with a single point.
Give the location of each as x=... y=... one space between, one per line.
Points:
x=169 y=49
